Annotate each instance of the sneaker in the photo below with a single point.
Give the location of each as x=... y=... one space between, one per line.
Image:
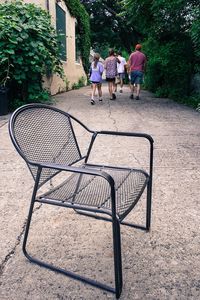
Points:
x=120 y=91
x=131 y=96
x=92 y=101
x=113 y=96
x=137 y=98
x=100 y=99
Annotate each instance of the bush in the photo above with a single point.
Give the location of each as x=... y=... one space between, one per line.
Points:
x=169 y=67
x=195 y=29
x=81 y=82
x=28 y=51
x=192 y=101
x=83 y=25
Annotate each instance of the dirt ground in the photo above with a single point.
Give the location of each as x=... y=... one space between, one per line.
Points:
x=160 y=265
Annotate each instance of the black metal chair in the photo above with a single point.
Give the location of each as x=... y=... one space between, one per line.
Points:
x=45 y=138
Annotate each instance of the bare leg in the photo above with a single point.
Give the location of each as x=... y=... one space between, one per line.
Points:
x=110 y=88
x=114 y=88
x=138 y=91
x=94 y=85
x=132 y=90
x=121 y=84
x=99 y=91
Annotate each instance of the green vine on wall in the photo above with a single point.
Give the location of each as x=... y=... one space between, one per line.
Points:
x=78 y=11
x=28 y=51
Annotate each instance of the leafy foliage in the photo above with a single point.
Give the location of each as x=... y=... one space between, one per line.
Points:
x=28 y=50
x=79 y=84
x=109 y=27
x=195 y=35
x=169 y=67
x=78 y=11
x=167 y=29
x=160 y=17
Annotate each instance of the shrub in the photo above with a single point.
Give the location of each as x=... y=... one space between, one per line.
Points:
x=28 y=51
x=83 y=21
x=195 y=29
x=169 y=67
x=81 y=82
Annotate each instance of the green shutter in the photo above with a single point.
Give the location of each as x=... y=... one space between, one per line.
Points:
x=61 y=30
x=77 y=41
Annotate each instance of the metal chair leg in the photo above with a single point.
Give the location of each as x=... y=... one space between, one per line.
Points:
x=148 y=210
x=57 y=269
x=27 y=229
x=117 y=257
x=31 y=211
x=120 y=257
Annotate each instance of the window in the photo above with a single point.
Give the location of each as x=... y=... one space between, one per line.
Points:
x=61 y=31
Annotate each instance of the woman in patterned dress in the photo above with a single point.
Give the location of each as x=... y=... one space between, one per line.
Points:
x=111 y=72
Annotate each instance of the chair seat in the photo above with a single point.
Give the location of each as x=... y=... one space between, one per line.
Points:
x=94 y=191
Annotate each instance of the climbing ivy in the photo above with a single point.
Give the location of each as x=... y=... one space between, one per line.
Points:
x=78 y=11
x=28 y=51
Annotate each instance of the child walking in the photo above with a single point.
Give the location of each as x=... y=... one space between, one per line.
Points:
x=96 y=71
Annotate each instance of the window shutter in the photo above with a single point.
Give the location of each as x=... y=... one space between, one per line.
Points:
x=61 y=30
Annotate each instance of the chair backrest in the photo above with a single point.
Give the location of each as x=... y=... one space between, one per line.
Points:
x=42 y=133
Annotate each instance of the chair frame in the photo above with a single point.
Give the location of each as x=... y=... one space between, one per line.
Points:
x=85 y=210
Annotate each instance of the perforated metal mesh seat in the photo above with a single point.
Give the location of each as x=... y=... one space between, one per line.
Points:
x=94 y=191
x=44 y=136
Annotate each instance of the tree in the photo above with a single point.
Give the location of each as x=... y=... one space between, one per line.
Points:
x=166 y=29
x=160 y=17
x=108 y=27
x=195 y=35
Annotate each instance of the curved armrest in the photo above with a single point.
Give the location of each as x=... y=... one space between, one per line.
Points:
x=128 y=134
x=121 y=133
x=84 y=170
x=131 y=134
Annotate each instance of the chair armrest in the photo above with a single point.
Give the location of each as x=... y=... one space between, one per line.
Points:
x=131 y=134
x=128 y=134
x=79 y=170
x=85 y=170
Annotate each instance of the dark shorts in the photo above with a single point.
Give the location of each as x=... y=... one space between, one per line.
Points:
x=110 y=79
x=121 y=75
x=98 y=83
x=136 y=77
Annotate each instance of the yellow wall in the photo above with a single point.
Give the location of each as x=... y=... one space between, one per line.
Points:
x=73 y=70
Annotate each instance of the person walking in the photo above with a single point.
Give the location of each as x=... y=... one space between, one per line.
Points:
x=121 y=70
x=111 y=72
x=96 y=71
x=137 y=63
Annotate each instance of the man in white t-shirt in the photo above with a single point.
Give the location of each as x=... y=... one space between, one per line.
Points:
x=121 y=69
